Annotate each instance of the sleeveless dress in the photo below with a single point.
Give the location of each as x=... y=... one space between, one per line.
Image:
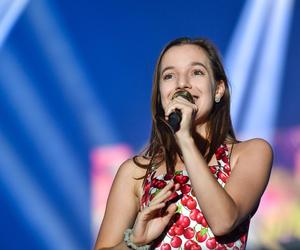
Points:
x=188 y=229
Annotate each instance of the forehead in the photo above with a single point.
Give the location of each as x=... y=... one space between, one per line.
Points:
x=183 y=55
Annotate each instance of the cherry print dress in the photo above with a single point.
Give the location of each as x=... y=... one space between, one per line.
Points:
x=188 y=229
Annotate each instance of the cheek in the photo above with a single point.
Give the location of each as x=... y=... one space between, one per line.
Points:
x=164 y=93
x=204 y=107
x=208 y=91
x=163 y=103
x=205 y=103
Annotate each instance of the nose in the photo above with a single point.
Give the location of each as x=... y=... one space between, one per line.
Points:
x=183 y=83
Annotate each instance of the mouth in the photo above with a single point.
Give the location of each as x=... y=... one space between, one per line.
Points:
x=187 y=95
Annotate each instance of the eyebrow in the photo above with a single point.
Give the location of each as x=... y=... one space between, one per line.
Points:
x=191 y=64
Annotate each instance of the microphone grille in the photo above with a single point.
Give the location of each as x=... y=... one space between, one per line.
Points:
x=185 y=94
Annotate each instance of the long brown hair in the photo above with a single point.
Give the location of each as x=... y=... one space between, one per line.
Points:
x=162 y=145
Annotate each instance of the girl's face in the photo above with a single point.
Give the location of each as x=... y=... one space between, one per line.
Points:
x=187 y=67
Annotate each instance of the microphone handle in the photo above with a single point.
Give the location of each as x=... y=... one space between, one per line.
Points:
x=176 y=116
x=174 y=120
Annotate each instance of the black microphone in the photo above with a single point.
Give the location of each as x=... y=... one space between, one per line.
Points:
x=176 y=116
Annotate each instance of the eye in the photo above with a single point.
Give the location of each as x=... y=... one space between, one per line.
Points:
x=198 y=72
x=168 y=76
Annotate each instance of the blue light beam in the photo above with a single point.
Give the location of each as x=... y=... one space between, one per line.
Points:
x=70 y=74
x=48 y=140
x=10 y=10
x=33 y=206
x=262 y=109
x=241 y=52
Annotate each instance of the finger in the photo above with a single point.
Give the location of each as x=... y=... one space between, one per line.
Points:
x=170 y=195
x=163 y=191
x=168 y=187
x=180 y=105
x=173 y=107
x=162 y=198
x=176 y=186
x=172 y=208
x=182 y=99
x=187 y=103
x=170 y=211
x=148 y=211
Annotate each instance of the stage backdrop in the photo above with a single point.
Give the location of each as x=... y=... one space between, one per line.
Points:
x=75 y=86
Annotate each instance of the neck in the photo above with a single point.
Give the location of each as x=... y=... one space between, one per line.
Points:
x=202 y=130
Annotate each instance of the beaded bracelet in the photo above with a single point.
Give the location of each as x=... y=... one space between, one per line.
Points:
x=130 y=244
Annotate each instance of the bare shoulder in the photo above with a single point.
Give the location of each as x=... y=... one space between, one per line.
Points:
x=132 y=171
x=256 y=149
x=122 y=206
x=130 y=168
x=255 y=146
x=250 y=175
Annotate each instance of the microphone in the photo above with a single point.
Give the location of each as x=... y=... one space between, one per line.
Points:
x=176 y=116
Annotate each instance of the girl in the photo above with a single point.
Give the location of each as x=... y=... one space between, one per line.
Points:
x=194 y=187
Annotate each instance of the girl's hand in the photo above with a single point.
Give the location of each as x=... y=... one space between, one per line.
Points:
x=150 y=222
x=188 y=111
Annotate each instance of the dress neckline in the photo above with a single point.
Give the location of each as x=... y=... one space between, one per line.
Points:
x=224 y=145
x=183 y=170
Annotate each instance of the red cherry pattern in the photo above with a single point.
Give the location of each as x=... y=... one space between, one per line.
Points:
x=227 y=168
x=160 y=184
x=194 y=213
x=243 y=238
x=183 y=221
x=231 y=244
x=180 y=178
x=176 y=242
x=190 y=230
x=213 y=169
x=189 y=244
x=185 y=188
x=196 y=247
x=222 y=176
x=202 y=235
x=211 y=243
x=199 y=217
x=173 y=196
x=221 y=247
x=179 y=230
x=168 y=177
x=189 y=233
x=191 y=204
x=185 y=199
x=220 y=152
x=171 y=231
x=165 y=246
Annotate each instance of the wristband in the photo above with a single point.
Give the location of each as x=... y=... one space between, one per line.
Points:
x=130 y=244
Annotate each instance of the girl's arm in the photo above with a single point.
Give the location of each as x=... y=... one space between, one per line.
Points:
x=121 y=209
x=225 y=208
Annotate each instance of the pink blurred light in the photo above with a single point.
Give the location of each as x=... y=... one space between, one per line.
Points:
x=105 y=162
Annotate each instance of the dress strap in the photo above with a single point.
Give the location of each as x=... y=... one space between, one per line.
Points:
x=229 y=156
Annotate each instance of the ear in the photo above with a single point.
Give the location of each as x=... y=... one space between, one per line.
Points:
x=220 y=90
